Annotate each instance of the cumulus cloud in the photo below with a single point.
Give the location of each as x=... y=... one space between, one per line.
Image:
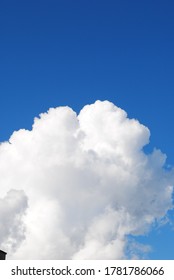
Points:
x=12 y=229
x=88 y=184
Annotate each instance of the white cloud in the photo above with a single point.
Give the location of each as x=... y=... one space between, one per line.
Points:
x=88 y=184
x=12 y=210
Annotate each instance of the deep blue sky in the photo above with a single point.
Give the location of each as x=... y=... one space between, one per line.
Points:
x=64 y=52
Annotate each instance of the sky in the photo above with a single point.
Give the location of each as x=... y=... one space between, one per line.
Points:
x=73 y=53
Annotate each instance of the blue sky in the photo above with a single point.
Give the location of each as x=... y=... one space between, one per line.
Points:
x=56 y=53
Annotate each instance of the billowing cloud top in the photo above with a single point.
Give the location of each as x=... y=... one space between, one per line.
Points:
x=75 y=187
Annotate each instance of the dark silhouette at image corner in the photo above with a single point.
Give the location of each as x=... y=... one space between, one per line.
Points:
x=2 y=255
